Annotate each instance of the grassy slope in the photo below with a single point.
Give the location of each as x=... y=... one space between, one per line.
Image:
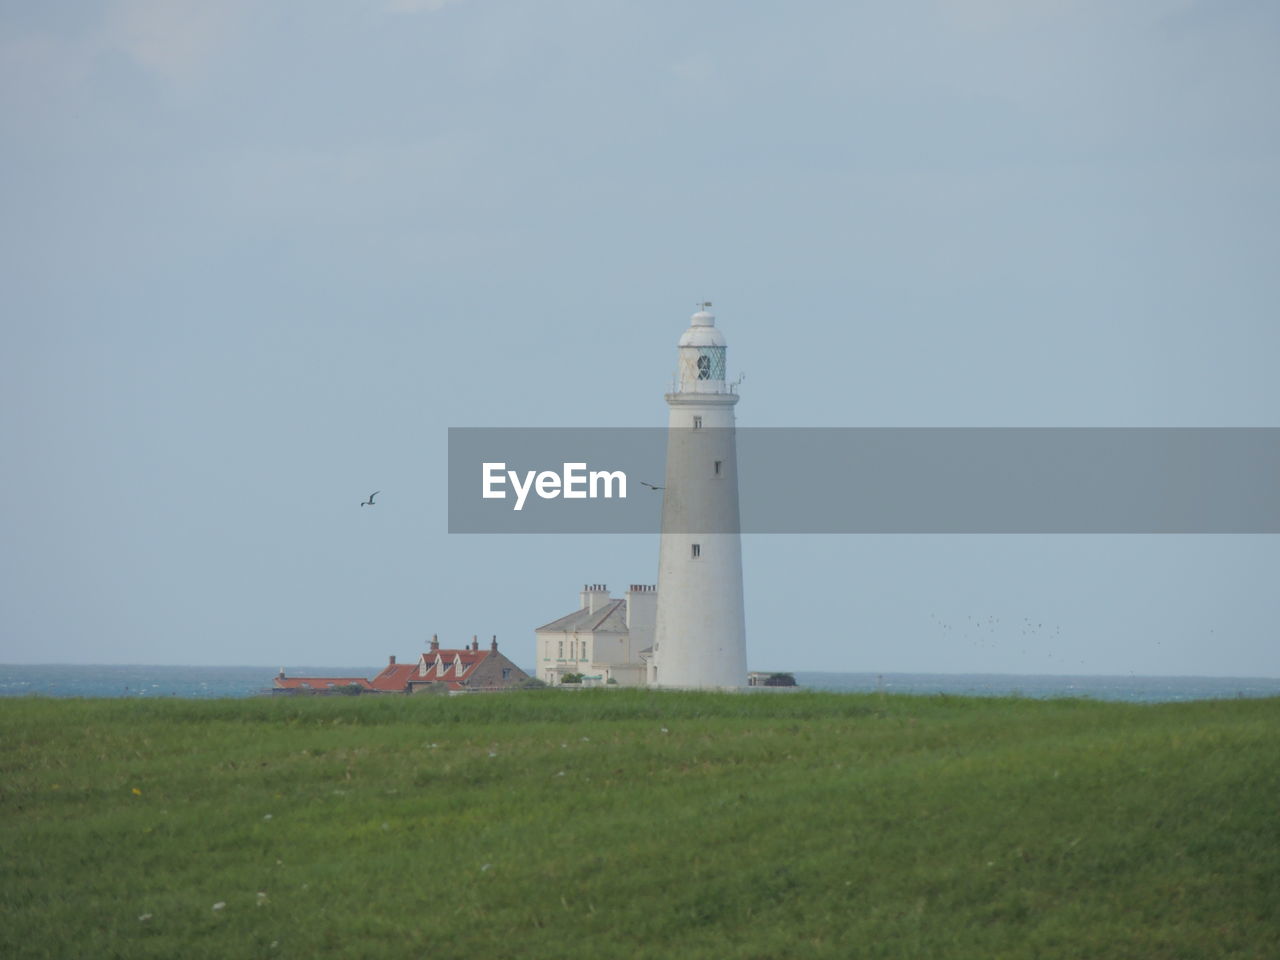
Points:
x=550 y=824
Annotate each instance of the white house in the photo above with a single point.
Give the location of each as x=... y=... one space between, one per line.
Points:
x=607 y=639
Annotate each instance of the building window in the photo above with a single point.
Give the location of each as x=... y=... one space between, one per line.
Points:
x=719 y=465
x=696 y=550
x=697 y=423
x=561 y=655
x=506 y=673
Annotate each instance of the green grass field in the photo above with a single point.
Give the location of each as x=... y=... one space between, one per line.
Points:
x=614 y=823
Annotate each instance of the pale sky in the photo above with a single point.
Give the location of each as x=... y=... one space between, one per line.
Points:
x=257 y=258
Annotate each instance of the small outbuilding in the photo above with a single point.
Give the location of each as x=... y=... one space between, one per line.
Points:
x=763 y=678
x=321 y=685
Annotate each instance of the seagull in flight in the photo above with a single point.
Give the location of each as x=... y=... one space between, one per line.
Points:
x=369 y=502
x=651 y=486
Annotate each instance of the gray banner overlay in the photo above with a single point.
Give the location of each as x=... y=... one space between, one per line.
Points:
x=891 y=480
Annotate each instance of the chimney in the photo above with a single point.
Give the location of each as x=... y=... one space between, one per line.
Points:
x=392 y=661
x=594 y=596
x=435 y=642
x=642 y=615
x=280 y=675
x=493 y=644
x=475 y=643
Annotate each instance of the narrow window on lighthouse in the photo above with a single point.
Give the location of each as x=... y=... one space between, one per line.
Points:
x=719 y=464
x=697 y=423
x=696 y=551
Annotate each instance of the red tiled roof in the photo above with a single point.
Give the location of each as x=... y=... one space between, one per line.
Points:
x=320 y=683
x=395 y=677
x=468 y=659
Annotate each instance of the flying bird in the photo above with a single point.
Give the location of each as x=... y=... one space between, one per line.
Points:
x=369 y=502
x=651 y=486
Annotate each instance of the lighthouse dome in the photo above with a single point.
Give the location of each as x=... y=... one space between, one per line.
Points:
x=702 y=331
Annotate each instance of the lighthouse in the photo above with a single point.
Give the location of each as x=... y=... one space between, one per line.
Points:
x=700 y=630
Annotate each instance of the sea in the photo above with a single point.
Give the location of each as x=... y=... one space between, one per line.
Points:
x=213 y=682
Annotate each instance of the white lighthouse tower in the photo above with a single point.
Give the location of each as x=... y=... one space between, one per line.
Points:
x=700 y=634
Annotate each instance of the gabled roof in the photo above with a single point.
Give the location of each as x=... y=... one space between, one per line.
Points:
x=469 y=658
x=395 y=677
x=320 y=683
x=459 y=669
x=611 y=618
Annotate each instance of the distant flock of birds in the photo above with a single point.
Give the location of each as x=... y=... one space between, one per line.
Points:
x=1027 y=629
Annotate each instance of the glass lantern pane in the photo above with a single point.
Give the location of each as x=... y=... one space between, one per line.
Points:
x=711 y=363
